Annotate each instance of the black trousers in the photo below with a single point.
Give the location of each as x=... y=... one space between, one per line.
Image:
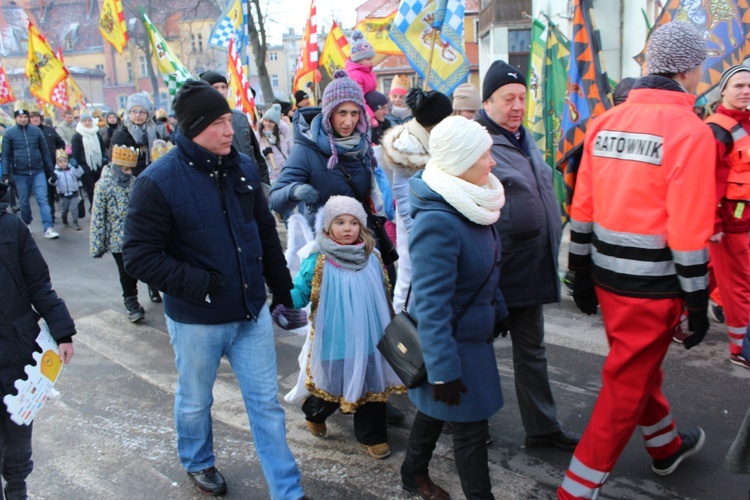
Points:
x=127 y=282
x=370 y=427
x=469 y=450
x=15 y=460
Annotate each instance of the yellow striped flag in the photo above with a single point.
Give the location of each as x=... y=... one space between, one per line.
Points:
x=376 y=31
x=112 y=24
x=46 y=73
x=335 y=51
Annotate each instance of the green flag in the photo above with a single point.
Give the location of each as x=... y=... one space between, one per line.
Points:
x=555 y=90
x=534 y=120
x=172 y=70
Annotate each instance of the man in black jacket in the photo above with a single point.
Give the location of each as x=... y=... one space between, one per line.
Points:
x=27 y=293
x=54 y=142
x=198 y=228
x=244 y=138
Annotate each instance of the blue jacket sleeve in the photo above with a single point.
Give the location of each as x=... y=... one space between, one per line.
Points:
x=296 y=171
x=6 y=168
x=434 y=247
x=303 y=282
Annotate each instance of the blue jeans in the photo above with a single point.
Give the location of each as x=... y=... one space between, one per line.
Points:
x=24 y=185
x=249 y=347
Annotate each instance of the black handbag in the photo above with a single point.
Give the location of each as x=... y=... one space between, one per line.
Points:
x=388 y=252
x=81 y=206
x=400 y=345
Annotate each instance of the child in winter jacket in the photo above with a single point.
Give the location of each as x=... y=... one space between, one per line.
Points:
x=344 y=279
x=359 y=68
x=67 y=181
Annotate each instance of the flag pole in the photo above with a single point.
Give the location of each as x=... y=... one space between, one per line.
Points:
x=435 y=33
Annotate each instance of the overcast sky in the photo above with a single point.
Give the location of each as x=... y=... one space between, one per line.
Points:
x=284 y=14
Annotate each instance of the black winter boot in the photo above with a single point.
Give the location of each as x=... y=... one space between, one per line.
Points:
x=135 y=311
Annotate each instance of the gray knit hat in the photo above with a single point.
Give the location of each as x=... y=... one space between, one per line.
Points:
x=676 y=47
x=140 y=99
x=342 y=205
x=273 y=114
x=466 y=98
x=729 y=73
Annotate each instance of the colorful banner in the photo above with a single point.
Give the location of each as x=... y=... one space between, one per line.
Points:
x=376 y=30
x=46 y=73
x=112 y=24
x=76 y=98
x=306 y=71
x=587 y=90
x=335 y=51
x=534 y=119
x=239 y=86
x=725 y=26
x=6 y=92
x=174 y=73
x=417 y=27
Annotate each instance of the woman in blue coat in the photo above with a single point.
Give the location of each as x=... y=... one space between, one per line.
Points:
x=325 y=140
x=455 y=257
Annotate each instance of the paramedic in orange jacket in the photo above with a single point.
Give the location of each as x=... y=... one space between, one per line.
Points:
x=730 y=253
x=641 y=218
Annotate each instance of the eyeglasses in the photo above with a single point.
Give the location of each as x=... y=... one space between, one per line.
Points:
x=138 y=112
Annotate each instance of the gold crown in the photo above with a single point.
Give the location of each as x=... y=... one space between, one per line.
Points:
x=60 y=153
x=160 y=148
x=401 y=82
x=124 y=157
x=22 y=106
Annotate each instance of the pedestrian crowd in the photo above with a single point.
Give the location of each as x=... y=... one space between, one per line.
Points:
x=441 y=207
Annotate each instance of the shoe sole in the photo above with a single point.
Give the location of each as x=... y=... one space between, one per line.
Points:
x=738 y=362
x=136 y=320
x=221 y=491
x=695 y=449
x=375 y=456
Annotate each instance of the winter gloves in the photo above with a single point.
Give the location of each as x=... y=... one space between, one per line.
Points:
x=306 y=193
x=584 y=293
x=698 y=325
x=449 y=393
x=287 y=318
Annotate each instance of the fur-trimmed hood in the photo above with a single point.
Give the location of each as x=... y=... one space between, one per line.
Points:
x=407 y=146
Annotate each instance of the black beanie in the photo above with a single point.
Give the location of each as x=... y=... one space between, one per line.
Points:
x=300 y=95
x=428 y=108
x=20 y=112
x=197 y=105
x=286 y=107
x=500 y=73
x=376 y=100
x=213 y=77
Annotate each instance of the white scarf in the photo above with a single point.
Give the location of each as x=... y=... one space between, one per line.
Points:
x=91 y=147
x=479 y=204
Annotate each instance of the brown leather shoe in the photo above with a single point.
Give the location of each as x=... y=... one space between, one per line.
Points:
x=424 y=487
x=378 y=451
x=317 y=430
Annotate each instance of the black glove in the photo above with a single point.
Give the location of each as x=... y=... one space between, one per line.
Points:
x=449 y=393
x=306 y=193
x=584 y=293
x=284 y=299
x=267 y=151
x=698 y=325
x=502 y=327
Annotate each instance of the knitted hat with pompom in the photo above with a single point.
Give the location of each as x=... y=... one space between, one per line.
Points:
x=361 y=48
x=342 y=89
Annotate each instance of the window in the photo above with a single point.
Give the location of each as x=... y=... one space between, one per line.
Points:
x=143 y=66
x=100 y=67
x=69 y=43
x=275 y=81
x=519 y=45
x=122 y=101
x=196 y=42
x=130 y=71
x=273 y=56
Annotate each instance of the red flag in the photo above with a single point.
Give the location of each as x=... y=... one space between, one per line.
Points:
x=6 y=93
x=307 y=62
x=238 y=83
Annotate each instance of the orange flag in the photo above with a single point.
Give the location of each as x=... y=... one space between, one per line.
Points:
x=307 y=62
x=239 y=86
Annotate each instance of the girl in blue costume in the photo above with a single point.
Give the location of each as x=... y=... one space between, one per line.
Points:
x=345 y=281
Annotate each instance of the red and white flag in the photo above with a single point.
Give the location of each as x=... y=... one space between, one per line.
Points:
x=307 y=61
x=6 y=92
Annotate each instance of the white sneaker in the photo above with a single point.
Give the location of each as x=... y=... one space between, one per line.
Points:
x=50 y=234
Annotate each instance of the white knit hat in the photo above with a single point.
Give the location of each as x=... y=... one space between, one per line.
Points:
x=342 y=205
x=456 y=144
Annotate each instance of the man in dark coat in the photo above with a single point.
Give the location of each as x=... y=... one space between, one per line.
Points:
x=27 y=294
x=198 y=228
x=244 y=140
x=54 y=142
x=530 y=229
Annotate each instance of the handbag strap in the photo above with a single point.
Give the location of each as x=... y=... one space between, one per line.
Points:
x=348 y=179
x=465 y=307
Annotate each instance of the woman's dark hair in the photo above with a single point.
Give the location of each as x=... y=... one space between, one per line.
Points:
x=276 y=132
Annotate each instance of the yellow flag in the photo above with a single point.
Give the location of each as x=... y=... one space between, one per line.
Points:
x=376 y=32
x=46 y=73
x=336 y=50
x=112 y=24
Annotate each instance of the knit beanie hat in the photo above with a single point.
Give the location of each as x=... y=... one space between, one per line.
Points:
x=676 y=47
x=300 y=95
x=273 y=114
x=428 y=108
x=342 y=89
x=213 y=77
x=197 y=105
x=342 y=205
x=376 y=100
x=141 y=100
x=400 y=85
x=286 y=107
x=361 y=48
x=729 y=73
x=86 y=115
x=466 y=98
x=500 y=73
x=456 y=144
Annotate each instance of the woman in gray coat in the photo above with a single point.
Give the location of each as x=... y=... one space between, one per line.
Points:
x=457 y=303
